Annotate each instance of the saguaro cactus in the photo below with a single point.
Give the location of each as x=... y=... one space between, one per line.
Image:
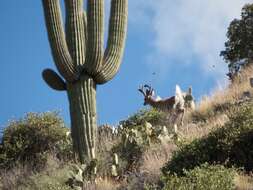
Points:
x=82 y=62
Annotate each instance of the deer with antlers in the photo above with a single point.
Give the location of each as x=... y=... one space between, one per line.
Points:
x=175 y=105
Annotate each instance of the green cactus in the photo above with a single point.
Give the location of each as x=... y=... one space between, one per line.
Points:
x=115 y=165
x=82 y=62
x=115 y=159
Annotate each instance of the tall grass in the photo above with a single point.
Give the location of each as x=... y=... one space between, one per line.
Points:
x=220 y=100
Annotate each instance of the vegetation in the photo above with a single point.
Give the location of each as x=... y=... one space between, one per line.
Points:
x=141 y=154
x=31 y=139
x=212 y=151
x=238 y=48
x=152 y=116
x=204 y=177
x=230 y=145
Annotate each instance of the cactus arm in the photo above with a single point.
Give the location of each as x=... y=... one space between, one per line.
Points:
x=53 y=80
x=57 y=40
x=116 y=41
x=95 y=26
x=75 y=31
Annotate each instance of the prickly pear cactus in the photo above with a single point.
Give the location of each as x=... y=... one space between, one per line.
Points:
x=115 y=165
x=82 y=62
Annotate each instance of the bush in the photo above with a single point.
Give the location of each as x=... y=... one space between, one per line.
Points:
x=205 y=177
x=31 y=138
x=230 y=145
x=152 y=116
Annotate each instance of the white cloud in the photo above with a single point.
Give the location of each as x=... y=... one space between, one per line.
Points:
x=187 y=29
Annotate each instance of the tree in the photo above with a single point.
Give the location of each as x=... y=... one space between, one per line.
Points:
x=81 y=61
x=239 y=47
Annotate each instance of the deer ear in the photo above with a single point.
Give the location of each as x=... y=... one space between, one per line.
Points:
x=152 y=93
x=53 y=80
x=190 y=90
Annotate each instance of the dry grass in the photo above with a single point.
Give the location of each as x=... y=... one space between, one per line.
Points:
x=244 y=182
x=101 y=184
x=13 y=178
x=149 y=172
x=23 y=177
x=154 y=159
x=230 y=95
x=191 y=131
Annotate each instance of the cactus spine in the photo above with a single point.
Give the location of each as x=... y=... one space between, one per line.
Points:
x=82 y=62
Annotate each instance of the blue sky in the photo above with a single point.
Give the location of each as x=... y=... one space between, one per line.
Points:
x=179 y=41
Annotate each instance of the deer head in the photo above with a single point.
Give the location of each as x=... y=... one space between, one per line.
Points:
x=147 y=92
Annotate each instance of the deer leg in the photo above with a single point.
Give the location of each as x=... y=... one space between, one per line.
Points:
x=182 y=111
x=174 y=121
x=168 y=117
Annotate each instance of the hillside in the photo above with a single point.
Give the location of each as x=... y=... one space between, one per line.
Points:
x=213 y=150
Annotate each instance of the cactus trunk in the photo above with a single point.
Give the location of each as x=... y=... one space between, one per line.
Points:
x=82 y=62
x=82 y=105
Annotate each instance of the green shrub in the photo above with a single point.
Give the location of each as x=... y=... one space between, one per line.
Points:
x=205 y=177
x=152 y=116
x=230 y=145
x=31 y=138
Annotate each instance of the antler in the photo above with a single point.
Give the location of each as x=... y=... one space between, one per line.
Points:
x=148 y=86
x=142 y=90
x=149 y=90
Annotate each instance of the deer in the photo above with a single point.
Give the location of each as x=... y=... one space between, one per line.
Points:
x=175 y=105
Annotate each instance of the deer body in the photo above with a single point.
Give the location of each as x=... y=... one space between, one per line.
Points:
x=162 y=105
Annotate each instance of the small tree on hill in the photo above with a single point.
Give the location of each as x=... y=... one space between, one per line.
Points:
x=239 y=47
